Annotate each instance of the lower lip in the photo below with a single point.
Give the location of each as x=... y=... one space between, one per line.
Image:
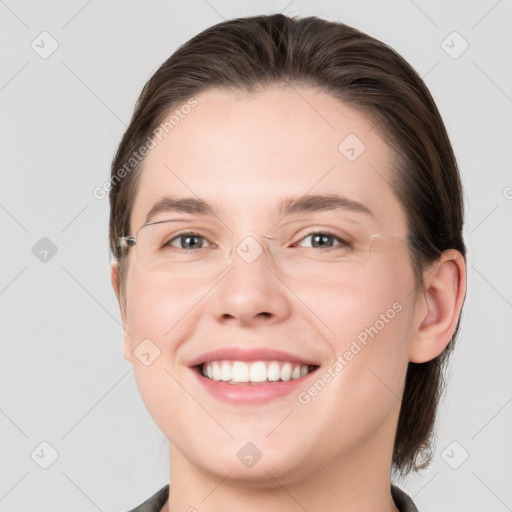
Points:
x=252 y=393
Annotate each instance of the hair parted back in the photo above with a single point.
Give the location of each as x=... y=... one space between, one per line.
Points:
x=250 y=54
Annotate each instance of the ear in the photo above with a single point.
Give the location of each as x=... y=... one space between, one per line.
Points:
x=438 y=306
x=114 y=278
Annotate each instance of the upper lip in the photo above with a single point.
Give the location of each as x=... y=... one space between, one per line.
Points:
x=254 y=354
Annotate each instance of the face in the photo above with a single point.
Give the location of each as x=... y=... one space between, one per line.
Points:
x=291 y=302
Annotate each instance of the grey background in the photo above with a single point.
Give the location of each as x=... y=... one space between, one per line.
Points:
x=63 y=378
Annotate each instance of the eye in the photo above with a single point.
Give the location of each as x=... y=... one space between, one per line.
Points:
x=188 y=240
x=325 y=240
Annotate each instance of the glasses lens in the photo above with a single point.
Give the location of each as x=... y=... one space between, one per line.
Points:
x=168 y=247
x=340 y=240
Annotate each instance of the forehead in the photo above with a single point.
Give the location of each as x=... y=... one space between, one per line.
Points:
x=247 y=152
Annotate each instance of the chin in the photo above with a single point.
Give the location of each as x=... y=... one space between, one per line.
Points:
x=250 y=463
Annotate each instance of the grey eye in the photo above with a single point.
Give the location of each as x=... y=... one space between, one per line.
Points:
x=187 y=241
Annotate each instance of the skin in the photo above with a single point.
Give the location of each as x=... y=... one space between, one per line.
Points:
x=245 y=153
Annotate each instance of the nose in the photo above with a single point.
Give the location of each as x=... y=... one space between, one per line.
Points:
x=251 y=292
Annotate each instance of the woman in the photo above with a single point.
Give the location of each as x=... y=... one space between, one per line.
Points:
x=286 y=226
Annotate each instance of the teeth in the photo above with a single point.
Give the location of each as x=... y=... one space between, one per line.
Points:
x=286 y=372
x=274 y=372
x=258 y=372
x=240 y=372
x=225 y=371
x=235 y=372
x=217 y=374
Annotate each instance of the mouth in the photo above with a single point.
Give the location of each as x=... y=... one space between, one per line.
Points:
x=253 y=372
x=238 y=375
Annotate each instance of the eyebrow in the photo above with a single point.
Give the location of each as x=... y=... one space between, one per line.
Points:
x=291 y=205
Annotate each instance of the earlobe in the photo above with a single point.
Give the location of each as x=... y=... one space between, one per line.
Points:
x=438 y=308
x=127 y=353
x=114 y=278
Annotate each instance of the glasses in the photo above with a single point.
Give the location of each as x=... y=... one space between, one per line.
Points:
x=338 y=245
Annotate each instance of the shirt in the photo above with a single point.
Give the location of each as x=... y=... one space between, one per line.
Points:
x=402 y=500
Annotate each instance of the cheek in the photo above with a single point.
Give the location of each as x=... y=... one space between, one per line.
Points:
x=367 y=321
x=157 y=308
x=359 y=300
x=370 y=317
x=156 y=318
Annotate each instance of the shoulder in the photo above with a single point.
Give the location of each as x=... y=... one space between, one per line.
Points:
x=402 y=500
x=155 y=502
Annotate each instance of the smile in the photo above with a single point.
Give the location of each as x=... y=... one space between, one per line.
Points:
x=256 y=372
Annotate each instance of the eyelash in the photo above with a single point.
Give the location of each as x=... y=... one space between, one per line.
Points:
x=343 y=242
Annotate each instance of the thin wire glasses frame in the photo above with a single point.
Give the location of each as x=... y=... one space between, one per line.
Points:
x=346 y=253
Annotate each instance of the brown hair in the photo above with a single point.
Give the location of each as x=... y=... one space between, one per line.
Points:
x=251 y=53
